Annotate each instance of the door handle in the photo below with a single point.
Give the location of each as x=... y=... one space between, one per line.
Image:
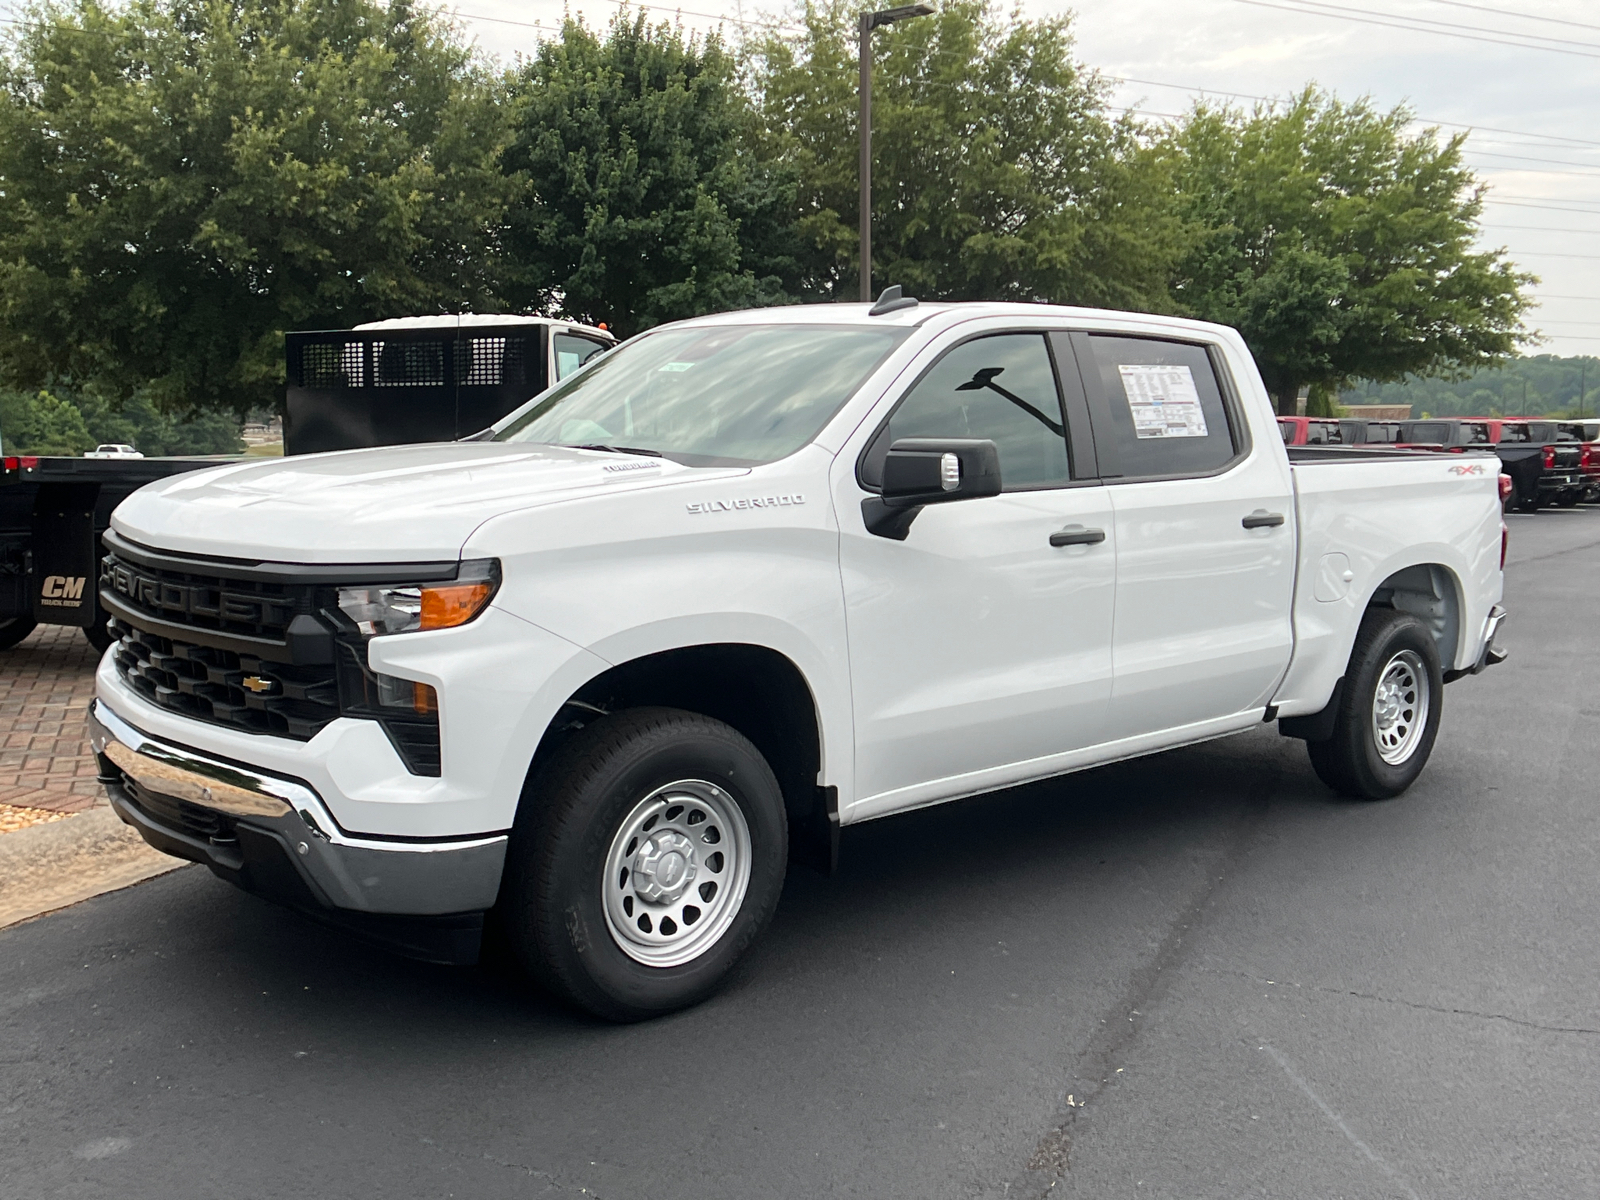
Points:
x=1077 y=535
x=1262 y=519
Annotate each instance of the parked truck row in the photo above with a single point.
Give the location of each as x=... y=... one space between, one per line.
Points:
x=1547 y=462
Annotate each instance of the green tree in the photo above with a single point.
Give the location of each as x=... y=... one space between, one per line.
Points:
x=645 y=196
x=185 y=180
x=41 y=423
x=1340 y=246
x=1534 y=385
x=998 y=174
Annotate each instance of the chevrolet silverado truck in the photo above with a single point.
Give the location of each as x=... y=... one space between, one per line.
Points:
x=601 y=672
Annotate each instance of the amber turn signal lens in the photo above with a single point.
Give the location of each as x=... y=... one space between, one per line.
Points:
x=426 y=701
x=452 y=605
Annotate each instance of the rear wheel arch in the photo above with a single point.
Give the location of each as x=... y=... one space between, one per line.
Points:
x=1432 y=593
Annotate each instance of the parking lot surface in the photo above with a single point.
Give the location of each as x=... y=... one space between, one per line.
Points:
x=1196 y=975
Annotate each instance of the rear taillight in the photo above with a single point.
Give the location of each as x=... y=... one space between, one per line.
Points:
x=1506 y=488
x=1584 y=454
x=1505 y=540
x=1549 y=457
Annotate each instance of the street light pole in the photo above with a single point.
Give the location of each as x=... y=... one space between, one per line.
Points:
x=869 y=22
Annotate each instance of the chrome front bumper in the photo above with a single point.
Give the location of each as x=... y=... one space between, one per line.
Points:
x=269 y=823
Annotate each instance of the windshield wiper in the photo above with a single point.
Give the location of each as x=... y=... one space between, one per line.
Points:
x=620 y=449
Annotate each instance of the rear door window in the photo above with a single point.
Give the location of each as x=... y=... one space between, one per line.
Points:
x=1160 y=409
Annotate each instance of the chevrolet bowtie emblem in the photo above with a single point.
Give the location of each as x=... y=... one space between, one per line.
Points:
x=257 y=684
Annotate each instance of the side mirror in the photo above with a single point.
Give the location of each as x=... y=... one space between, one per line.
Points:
x=922 y=471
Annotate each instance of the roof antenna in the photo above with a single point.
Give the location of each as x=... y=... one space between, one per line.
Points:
x=891 y=301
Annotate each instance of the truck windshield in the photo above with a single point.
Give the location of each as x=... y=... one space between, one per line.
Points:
x=732 y=395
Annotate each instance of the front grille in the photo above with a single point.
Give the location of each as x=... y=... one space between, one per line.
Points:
x=249 y=653
x=204 y=600
x=227 y=687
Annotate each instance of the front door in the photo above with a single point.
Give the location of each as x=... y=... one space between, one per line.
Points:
x=976 y=645
x=1205 y=534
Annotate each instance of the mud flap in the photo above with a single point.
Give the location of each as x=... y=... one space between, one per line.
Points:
x=63 y=576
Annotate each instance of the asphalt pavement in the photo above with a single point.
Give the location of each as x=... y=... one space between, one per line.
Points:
x=1197 y=975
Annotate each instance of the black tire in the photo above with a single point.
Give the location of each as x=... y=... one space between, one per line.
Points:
x=14 y=630
x=1569 y=499
x=99 y=636
x=553 y=904
x=1351 y=761
x=1525 y=501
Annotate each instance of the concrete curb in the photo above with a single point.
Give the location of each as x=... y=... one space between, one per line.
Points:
x=46 y=867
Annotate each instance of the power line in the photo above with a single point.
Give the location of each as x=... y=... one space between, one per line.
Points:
x=1506 y=12
x=1442 y=25
x=1588 y=212
x=1544 y=229
x=1552 y=254
x=1558 y=162
x=1340 y=16
x=1180 y=87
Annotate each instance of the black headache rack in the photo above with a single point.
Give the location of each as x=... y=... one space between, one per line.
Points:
x=389 y=387
x=256 y=646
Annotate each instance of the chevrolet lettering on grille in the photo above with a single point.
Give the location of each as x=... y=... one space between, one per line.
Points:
x=159 y=596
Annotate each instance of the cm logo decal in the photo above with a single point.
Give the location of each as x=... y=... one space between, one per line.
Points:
x=62 y=591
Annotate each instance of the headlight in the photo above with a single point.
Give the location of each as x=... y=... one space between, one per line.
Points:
x=410 y=607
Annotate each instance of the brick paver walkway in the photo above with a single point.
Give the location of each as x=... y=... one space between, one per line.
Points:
x=46 y=682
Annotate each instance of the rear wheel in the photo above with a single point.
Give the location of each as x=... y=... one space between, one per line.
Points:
x=1526 y=500
x=647 y=856
x=1569 y=499
x=14 y=630
x=1388 y=712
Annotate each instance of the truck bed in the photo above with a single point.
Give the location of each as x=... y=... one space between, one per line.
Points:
x=1361 y=511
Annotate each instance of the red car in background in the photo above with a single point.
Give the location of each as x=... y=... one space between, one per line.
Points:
x=1587 y=434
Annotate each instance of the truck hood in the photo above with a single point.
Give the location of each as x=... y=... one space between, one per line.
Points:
x=394 y=504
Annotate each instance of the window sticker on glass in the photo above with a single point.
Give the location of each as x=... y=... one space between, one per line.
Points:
x=677 y=366
x=1163 y=400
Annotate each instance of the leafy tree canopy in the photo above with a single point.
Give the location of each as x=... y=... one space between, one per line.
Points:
x=998 y=174
x=646 y=196
x=68 y=421
x=1538 y=385
x=1338 y=245
x=186 y=179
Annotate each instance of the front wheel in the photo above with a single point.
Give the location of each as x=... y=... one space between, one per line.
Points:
x=647 y=856
x=1388 y=712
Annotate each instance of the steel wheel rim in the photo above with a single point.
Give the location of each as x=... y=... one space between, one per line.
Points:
x=1400 y=707
x=676 y=874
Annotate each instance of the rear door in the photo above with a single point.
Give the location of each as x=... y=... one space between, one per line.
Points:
x=1204 y=530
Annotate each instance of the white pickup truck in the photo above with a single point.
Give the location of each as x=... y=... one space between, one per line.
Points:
x=605 y=669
